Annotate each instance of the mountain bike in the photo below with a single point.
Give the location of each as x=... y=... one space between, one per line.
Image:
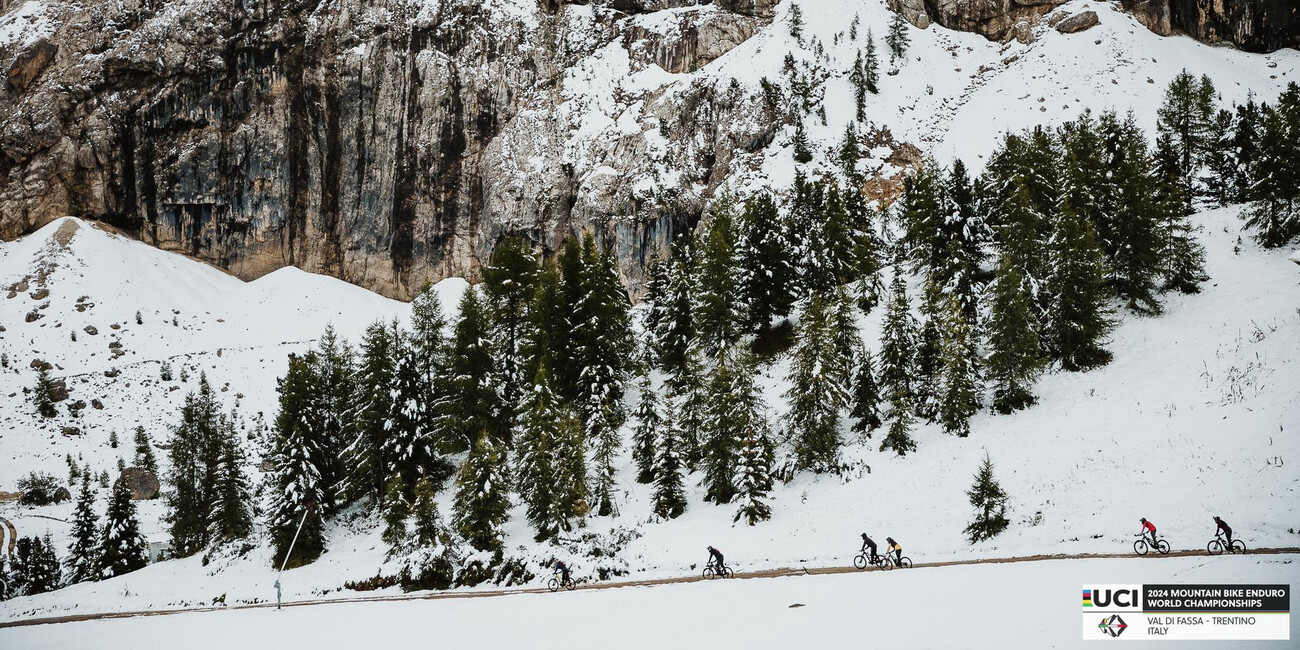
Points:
x=711 y=571
x=1142 y=545
x=1218 y=545
x=558 y=581
x=863 y=560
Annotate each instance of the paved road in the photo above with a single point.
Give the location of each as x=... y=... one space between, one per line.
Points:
x=766 y=573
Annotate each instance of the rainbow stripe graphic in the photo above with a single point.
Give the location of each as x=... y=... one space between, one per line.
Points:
x=1087 y=598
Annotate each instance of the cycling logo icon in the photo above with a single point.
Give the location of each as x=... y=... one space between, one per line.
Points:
x=1112 y=625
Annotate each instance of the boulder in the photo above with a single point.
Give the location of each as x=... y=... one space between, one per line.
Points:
x=30 y=63
x=142 y=483
x=912 y=10
x=1078 y=23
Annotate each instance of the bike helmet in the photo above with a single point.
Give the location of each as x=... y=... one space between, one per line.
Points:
x=864 y=535
x=1216 y=518
x=710 y=548
x=1144 y=520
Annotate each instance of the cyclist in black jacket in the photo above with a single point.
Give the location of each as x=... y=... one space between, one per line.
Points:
x=564 y=572
x=868 y=544
x=716 y=556
x=1227 y=530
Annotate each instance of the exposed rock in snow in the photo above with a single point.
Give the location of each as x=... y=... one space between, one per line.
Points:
x=1078 y=23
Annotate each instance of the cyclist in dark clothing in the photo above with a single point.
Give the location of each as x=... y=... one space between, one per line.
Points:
x=716 y=556
x=1227 y=530
x=564 y=572
x=868 y=544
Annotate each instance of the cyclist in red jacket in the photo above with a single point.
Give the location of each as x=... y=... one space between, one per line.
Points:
x=1148 y=527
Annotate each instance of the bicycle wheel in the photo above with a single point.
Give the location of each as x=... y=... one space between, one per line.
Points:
x=1238 y=546
x=906 y=563
x=887 y=564
x=553 y=585
x=1163 y=547
x=570 y=585
x=1215 y=547
x=708 y=573
x=727 y=572
x=1140 y=547
x=860 y=561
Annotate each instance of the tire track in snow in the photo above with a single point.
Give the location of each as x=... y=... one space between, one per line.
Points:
x=783 y=572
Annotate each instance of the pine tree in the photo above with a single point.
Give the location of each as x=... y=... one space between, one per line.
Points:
x=802 y=150
x=795 y=18
x=677 y=328
x=898 y=342
x=409 y=448
x=734 y=408
x=717 y=317
x=603 y=337
x=689 y=394
x=1220 y=163
x=897 y=39
x=1016 y=358
x=473 y=405
x=1129 y=227
x=858 y=79
x=1184 y=122
x=481 y=504
x=570 y=504
x=766 y=270
x=195 y=454
x=535 y=449
x=866 y=397
x=818 y=390
x=396 y=512
x=1079 y=319
x=334 y=371
x=371 y=405
x=754 y=479
x=990 y=503
x=669 y=494
x=36 y=568
x=144 y=457
x=44 y=393
x=924 y=215
x=849 y=152
x=427 y=528
x=509 y=281
x=958 y=388
x=898 y=438
x=122 y=548
x=232 y=513
x=294 y=482
x=646 y=433
x=929 y=354
x=1245 y=147
x=83 y=554
x=866 y=252
x=1275 y=194
x=871 y=66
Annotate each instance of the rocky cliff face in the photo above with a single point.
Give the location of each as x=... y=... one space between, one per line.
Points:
x=1254 y=25
x=386 y=142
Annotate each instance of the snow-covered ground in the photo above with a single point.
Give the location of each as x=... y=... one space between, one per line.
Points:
x=1022 y=605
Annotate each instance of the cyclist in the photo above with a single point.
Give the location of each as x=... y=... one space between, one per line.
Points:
x=895 y=549
x=1227 y=530
x=1148 y=527
x=564 y=572
x=715 y=556
x=868 y=544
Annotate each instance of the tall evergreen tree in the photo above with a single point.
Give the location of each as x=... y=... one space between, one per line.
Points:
x=195 y=456
x=570 y=483
x=122 y=547
x=669 y=500
x=232 y=513
x=929 y=354
x=1016 y=356
x=536 y=446
x=482 y=504
x=718 y=317
x=689 y=394
x=802 y=150
x=858 y=79
x=144 y=457
x=371 y=407
x=957 y=385
x=649 y=421
x=818 y=390
x=766 y=270
x=83 y=554
x=898 y=437
x=677 y=328
x=297 y=494
x=871 y=65
x=754 y=478
x=396 y=511
x=734 y=408
x=1079 y=320
x=1275 y=195
x=334 y=375
x=1184 y=122
x=409 y=449
x=866 y=397
x=36 y=566
x=898 y=342
x=509 y=281
x=990 y=502
x=473 y=405
x=897 y=38
x=43 y=394
x=1129 y=227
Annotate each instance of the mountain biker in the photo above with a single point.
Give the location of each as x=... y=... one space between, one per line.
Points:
x=1148 y=527
x=1227 y=530
x=867 y=543
x=715 y=556
x=895 y=549
x=564 y=572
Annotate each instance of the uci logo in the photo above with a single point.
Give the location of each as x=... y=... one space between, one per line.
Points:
x=1112 y=598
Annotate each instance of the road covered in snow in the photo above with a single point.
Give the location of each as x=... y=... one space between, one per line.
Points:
x=1019 y=605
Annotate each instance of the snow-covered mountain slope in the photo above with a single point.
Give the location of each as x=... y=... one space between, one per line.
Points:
x=1031 y=604
x=1195 y=417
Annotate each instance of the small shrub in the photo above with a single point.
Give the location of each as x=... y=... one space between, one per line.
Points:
x=41 y=490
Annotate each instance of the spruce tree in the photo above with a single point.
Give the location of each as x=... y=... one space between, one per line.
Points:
x=1016 y=357
x=195 y=455
x=766 y=270
x=677 y=327
x=669 y=500
x=1245 y=147
x=1275 y=194
x=122 y=548
x=1184 y=122
x=409 y=448
x=334 y=371
x=1080 y=318
x=144 y=457
x=990 y=502
x=570 y=503
x=898 y=342
x=294 y=483
x=734 y=407
x=83 y=554
x=929 y=354
x=858 y=79
x=535 y=448
x=689 y=394
x=818 y=390
x=754 y=479
x=481 y=504
x=603 y=338
x=427 y=529
x=1220 y=163
x=371 y=407
x=958 y=384
x=717 y=317
x=43 y=394
x=795 y=18
x=898 y=438
x=396 y=512
x=232 y=513
x=866 y=397
x=473 y=404
x=509 y=281
x=1131 y=227
x=924 y=216
x=897 y=39
x=849 y=153
x=646 y=433
x=36 y=566
x=802 y=150
x=871 y=66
